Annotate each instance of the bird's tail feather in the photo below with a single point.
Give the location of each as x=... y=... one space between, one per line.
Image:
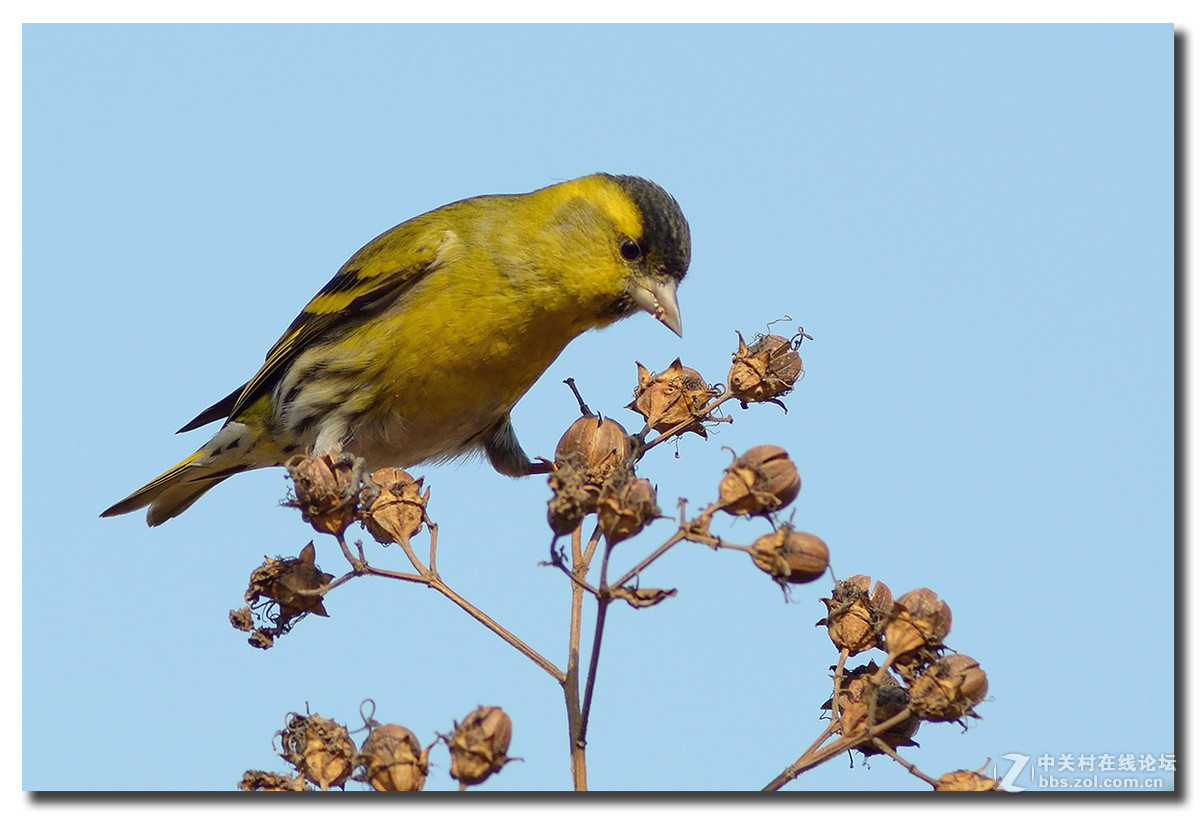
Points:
x=176 y=490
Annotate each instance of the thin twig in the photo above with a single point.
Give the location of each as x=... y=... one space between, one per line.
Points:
x=570 y=681
x=829 y=731
x=573 y=578
x=835 y=709
x=810 y=759
x=401 y=576
x=412 y=556
x=591 y=548
x=678 y=536
x=603 y=599
x=337 y=582
x=434 y=581
x=677 y=430
x=694 y=530
x=583 y=409
x=911 y=768
x=507 y=636
x=356 y=563
x=433 y=540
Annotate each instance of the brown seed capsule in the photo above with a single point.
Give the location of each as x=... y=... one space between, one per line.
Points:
x=592 y=452
x=790 y=557
x=919 y=620
x=396 y=513
x=271 y=781
x=949 y=689
x=674 y=397
x=914 y=634
x=242 y=619
x=571 y=499
x=320 y=749
x=392 y=759
x=760 y=481
x=281 y=592
x=966 y=781
x=854 y=706
x=641 y=597
x=623 y=510
x=479 y=746
x=766 y=369
x=856 y=618
x=596 y=445
x=293 y=583
x=326 y=491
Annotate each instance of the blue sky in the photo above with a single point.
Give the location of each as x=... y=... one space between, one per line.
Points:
x=974 y=224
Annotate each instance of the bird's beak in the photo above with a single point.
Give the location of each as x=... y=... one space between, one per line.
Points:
x=657 y=296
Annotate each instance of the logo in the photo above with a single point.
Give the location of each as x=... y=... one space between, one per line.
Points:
x=1009 y=781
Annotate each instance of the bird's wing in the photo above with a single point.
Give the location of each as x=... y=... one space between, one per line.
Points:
x=367 y=284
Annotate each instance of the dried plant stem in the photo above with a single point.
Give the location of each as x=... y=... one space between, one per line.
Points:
x=911 y=768
x=813 y=757
x=829 y=731
x=835 y=708
x=431 y=579
x=651 y=558
x=583 y=409
x=603 y=599
x=726 y=545
x=570 y=682
x=507 y=636
x=695 y=530
x=433 y=541
x=356 y=563
x=703 y=413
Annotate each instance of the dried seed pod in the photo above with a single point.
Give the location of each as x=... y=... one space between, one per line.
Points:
x=919 y=624
x=641 y=597
x=479 y=746
x=293 y=583
x=790 y=557
x=949 y=689
x=326 y=491
x=854 y=706
x=760 y=481
x=398 y=509
x=966 y=781
x=766 y=369
x=595 y=445
x=856 y=618
x=624 y=509
x=571 y=499
x=242 y=619
x=320 y=749
x=392 y=759
x=281 y=592
x=271 y=781
x=677 y=395
x=592 y=452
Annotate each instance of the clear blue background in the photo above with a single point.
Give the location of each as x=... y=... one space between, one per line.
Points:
x=974 y=223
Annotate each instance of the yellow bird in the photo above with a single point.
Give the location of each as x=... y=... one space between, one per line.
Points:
x=422 y=343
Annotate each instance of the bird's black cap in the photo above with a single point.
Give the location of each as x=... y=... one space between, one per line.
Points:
x=665 y=233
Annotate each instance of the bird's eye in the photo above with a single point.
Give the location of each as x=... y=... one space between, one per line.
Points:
x=630 y=251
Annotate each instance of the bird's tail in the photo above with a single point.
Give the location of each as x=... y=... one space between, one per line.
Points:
x=177 y=489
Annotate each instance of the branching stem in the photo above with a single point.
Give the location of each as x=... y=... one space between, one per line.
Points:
x=813 y=757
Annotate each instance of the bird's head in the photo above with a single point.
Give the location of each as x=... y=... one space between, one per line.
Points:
x=658 y=256
x=620 y=244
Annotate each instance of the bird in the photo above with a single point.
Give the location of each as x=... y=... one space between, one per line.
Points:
x=420 y=345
